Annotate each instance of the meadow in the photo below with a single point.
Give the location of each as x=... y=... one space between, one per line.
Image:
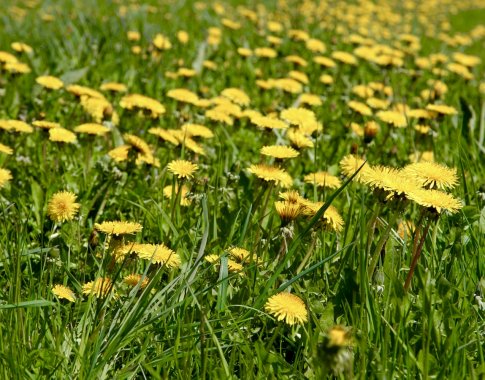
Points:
x=236 y=190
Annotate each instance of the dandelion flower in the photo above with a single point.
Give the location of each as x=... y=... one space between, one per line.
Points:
x=338 y=337
x=394 y=118
x=323 y=179
x=299 y=139
x=237 y=96
x=331 y=216
x=164 y=134
x=279 y=151
x=100 y=287
x=135 y=279
x=197 y=130
x=62 y=135
x=21 y=47
x=271 y=173
x=92 y=129
x=120 y=153
x=182 y=168
x=118 y=227
x=431 y=174
x=142 y=102
x=5 y=149
x=288 y=211
x=268 y=122
x=184 y=201
x=138 y=144
x=5 y=177
x=63 y=292
x=442 y=109
x=359 y=107
x=183 y=95
x=287 y=307
x=50 y=82
x=16 y=125
x=62 y=206
x=113 y=86
x=81 y=91
x=436 y=199
x=158 y=254
x=350 y=164
x=44 y=124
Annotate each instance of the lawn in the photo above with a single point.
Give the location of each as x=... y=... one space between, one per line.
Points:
x=288 y=189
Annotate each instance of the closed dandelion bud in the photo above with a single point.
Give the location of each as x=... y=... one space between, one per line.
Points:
x=354 y=148
x=93 y=239
x=370 y=131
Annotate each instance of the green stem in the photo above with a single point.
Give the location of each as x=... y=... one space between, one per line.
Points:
x=416 y=255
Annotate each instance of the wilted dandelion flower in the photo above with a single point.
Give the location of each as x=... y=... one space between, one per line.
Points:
x=62 y=135
x=271 y=173
x=118 y=227
x=436 y=199
x=431 y=174
x=279 y=151
x=182 y=168
x=62 y=206
x=92 y=129
x=287 y=307
x=323 y=179
x=5 y=177
x=100 y=287
x=63 y=292
x=50 y=82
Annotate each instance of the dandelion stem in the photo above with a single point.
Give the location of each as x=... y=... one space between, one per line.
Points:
x=416 y=255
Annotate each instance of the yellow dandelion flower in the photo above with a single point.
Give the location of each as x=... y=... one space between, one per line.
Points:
x=80 y=91
x=183 y=95
x=310 y=99
x=16 y=125
x=17 y=67
x=212 y=258
x=113 y=86
x=63 y=292
x=44 y=124
x=218 y=115
x=182 y=168
x=288 y=85
x=50 y=82
x=298 y=138
x=436 y=200
x=331 y=216
x=134 y=101
x=288 y=211
x=287 y=307
x=97 y=108
x=158 y=254
x=299 y=76
x=236 y=95
x=136 y=279
x=164 y=135
x=183 y=36
x=7 y=57
x=324 y=61
x=279 y=151
x=350 y=164
x=268 y=122
x=21 y=47
x=62 y=206
x=326 y=79
x=338 y=337
x=5 y=149
x=395 y=181
x=101 y=287
x=271 y=173
x=62 y=135
x=120 y=153
x=244 y=52
x=197 y=130
x=265 y=52
x=242 y=255
x=137 y=143
x=315 y=45
x=118 y=227
x=344 y=57
x=161 y=42
x=359 y=107
x=5 y=177
x=323 y=179
x=431 y=174
x=296 y=60
x=441 y=109
x=394 y=118
x=133 y=35
x=466 y=60
x=92 y=129
x=422 y=156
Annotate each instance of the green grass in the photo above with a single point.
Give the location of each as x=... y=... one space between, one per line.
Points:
x=203 y=320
